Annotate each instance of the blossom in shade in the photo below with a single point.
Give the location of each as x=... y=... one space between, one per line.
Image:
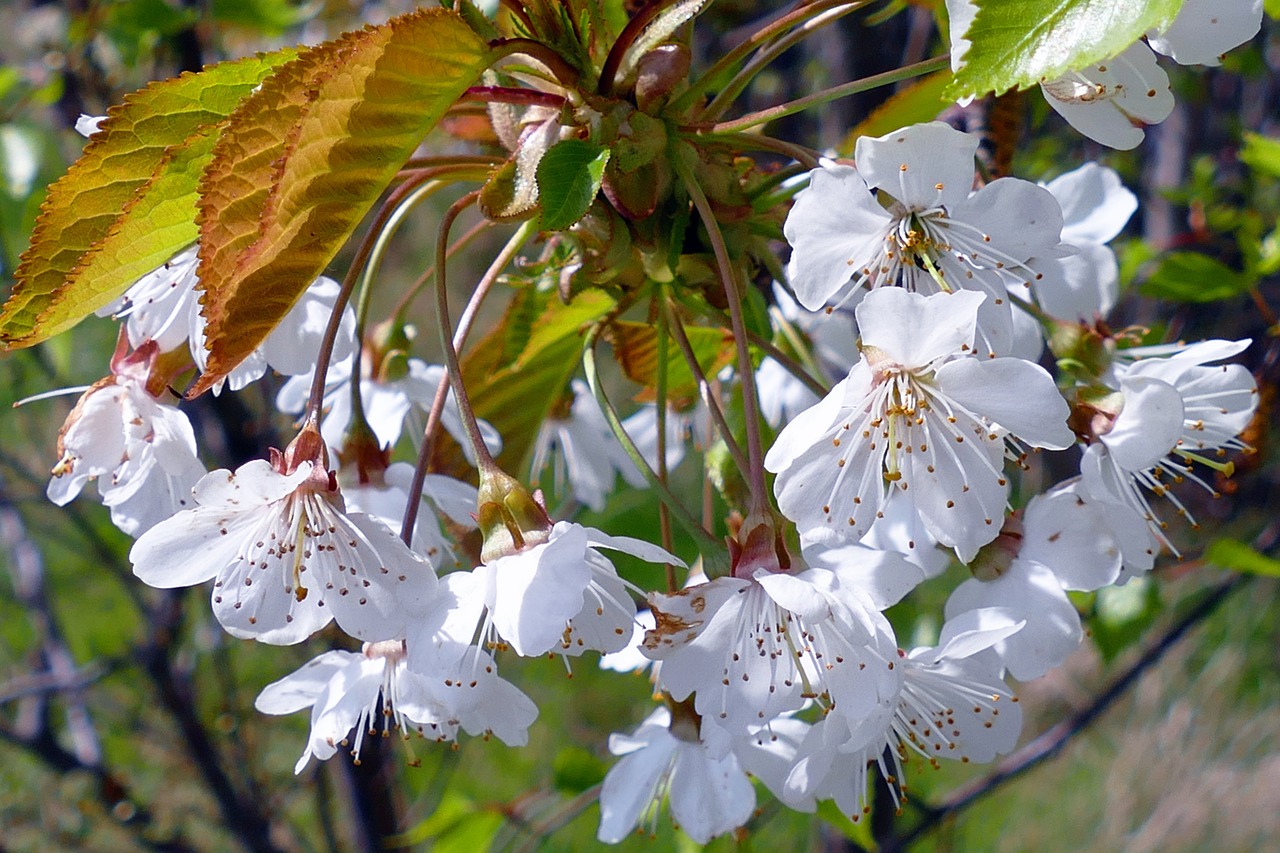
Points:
x=139 y=448
x=1062 y=542
x=688 y=762
x=1176 y=410
x=950 y=703
x=1095 y=207
x=917 y=413
x=389 y=405
x=164 y=306
x=932 y=234
x=582 y=451
x=443 y=499
x=285 y=556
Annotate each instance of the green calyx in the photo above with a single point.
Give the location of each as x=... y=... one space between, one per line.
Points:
x=510 y=518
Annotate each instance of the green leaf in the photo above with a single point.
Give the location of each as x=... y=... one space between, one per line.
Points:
x=1261 y=153
x=124 y=166
x=569 y=177
x=576 y=770
x=270 y=17
x=1022 y=43
x=305 y=158
x=1239 y=557
x=514 y=392
x=1272 y=8
x=1193 y=277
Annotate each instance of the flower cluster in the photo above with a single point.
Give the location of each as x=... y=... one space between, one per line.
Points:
x=927 y=297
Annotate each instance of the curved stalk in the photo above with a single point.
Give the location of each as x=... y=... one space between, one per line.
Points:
x=625 y=40
x=759 y=142
x=793 y=367
x=803 y=12
x=844 y=90
x=509 y=95
x=746 y=371
x=768 y=53
x=465 y=322
x=560 y=69
x=704 y=389
x=660 y=420
x=714 y=556
x=402 y=304
x=315 y=400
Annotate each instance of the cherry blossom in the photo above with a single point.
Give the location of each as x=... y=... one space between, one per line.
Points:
x=1176 y=410
x=933 y=234
x=139 y=447
x=582 y=451
x=163 y=306
x=374 y=691
x=1095 y=207
x=1111 y=100
x=686 y=760
x=561 y=594
x=1061 y=543
x=285 y=557
x=950 y=703
x=918 y=412
x=762 y=643
x=1204 y=30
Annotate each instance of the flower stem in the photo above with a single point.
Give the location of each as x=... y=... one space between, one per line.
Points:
x=769 y=52
x=834 y=93
x=660 y=418
x=465 y=322
x=808 y=157
x=509 y=95
x=721 y=67
x=714 y=556
x=746 y=371
x=704 y=390
x=484 y=461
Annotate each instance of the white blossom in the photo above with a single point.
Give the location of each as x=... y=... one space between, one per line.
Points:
x=582 y=452
x=918 y=412
x=1111 y=100
x=285 y=557
x=933 y=234
x=950 y=703
x=442 y=498
x=691 y=765
x=562 y=595
x=139 y=448
x=1204 y=30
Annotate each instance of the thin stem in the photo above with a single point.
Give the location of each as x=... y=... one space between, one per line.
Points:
x=414 y=192
x=808 y=157
x=704 y=389
x=484 y=461
x=465 y=322
x=436 y=161
x=768 y=53
x=807 y=364
x=510 y=95
x=802 y=12
x=844 y=90
x=714 y=557
x=660 y=419
x=555 y=63
x=746 y=371
x=814 y=384
x=402 y=305
x=315 y=402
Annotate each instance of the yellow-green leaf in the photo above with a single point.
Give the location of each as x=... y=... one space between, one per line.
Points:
x=144 y=159
x=333 y=130
x=635 y=345
x=1237 y=556
x=514 y=391
x=920 y=101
